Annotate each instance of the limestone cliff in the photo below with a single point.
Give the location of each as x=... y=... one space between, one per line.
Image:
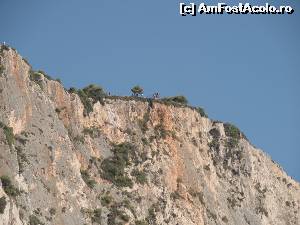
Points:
x=128 y=161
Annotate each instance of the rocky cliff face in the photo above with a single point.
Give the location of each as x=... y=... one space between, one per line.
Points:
x=129 y=161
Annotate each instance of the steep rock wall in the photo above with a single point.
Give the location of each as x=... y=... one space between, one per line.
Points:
x=177 y=167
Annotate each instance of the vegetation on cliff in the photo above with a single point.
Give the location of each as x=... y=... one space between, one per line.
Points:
x=8 y=187
x=89 y=95
x=113 y=168
x=1 y=69
x=2 y=204
x=176 y=99
x=137 y=90
x=9 y=134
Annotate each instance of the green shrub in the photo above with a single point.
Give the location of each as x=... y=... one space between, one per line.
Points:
x=124 y=152
x=123 y=181
x=26 y=61
x=36 y=77
x=9 y=134
x=176 y=99
x=141 y=222
x=232 y=143
x=96 y=218
x=3 y=48
x=214 y=144
x=79 y=138
x=87 y=104
x=106 y=200
x=89 y=96
x=201 y=112
x=1 y=69
x=92 y=131
x=113 y=168
x=232 y=131
x=58 y=80
x=145 y=141
x=45 y=74
x=9 y=189
x=141 y=176
x=95 y=92
x=233 y=134
x=22 y=159
x=126 y=203
x=33 y=220
x=151 y=218
x=124 y=217
x=116 y=213
x=2 y=204
x=72 y=90
x=87 y=179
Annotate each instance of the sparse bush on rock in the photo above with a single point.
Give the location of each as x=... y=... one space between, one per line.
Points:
x=9 y=134
x=141 y=222
x=91 y=131
x=233 y=134
x=176 y=99
x=87 y=179
x=89 y=96
x=141 y=176
x=95 y=92
x=161 y=132
x=2 y=204
x=3 y=48
x=106 y=200
x=201 y=112
x=1 y=69
x=117 y=216
x=231 y=131
x=8 y=187
x=113 y=168
x=87 y=104
x=96 y=217
x=34 y=220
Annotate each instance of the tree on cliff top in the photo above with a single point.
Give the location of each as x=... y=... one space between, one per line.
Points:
x=94 y=91
x=137 y=90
